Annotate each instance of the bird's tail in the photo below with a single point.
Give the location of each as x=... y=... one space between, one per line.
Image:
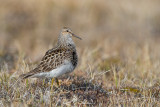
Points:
x=24 y=76
x=29 y=74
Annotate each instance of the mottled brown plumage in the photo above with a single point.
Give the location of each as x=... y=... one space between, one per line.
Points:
x=54 y=58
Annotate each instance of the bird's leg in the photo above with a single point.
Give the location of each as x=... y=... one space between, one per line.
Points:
x=52 y=82
x=56 y=79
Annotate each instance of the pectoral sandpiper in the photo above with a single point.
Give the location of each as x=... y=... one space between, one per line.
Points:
x=59 y=60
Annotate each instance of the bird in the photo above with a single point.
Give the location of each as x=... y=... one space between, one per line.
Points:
x=62 y=59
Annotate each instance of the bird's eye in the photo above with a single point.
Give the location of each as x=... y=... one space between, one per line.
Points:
x=67 y=31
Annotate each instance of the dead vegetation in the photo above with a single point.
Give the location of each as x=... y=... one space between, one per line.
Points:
x=119 y=56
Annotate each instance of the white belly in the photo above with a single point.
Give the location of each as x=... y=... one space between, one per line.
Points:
x=67 y=67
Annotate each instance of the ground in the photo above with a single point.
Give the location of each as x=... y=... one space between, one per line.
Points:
x=119 y=56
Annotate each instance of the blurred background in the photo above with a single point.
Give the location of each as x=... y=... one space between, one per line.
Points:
x=119 y=53
x=125 y=29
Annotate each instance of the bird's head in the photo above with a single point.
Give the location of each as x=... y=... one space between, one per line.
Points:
x=66 y=35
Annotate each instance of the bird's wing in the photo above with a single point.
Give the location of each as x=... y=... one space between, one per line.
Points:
x=51 y=60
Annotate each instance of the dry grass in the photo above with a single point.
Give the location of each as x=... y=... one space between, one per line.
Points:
x=119 y=54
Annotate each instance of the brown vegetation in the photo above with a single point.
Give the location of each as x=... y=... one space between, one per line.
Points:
x=119 y=54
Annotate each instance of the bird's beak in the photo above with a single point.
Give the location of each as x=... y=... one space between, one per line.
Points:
x=76 y=36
